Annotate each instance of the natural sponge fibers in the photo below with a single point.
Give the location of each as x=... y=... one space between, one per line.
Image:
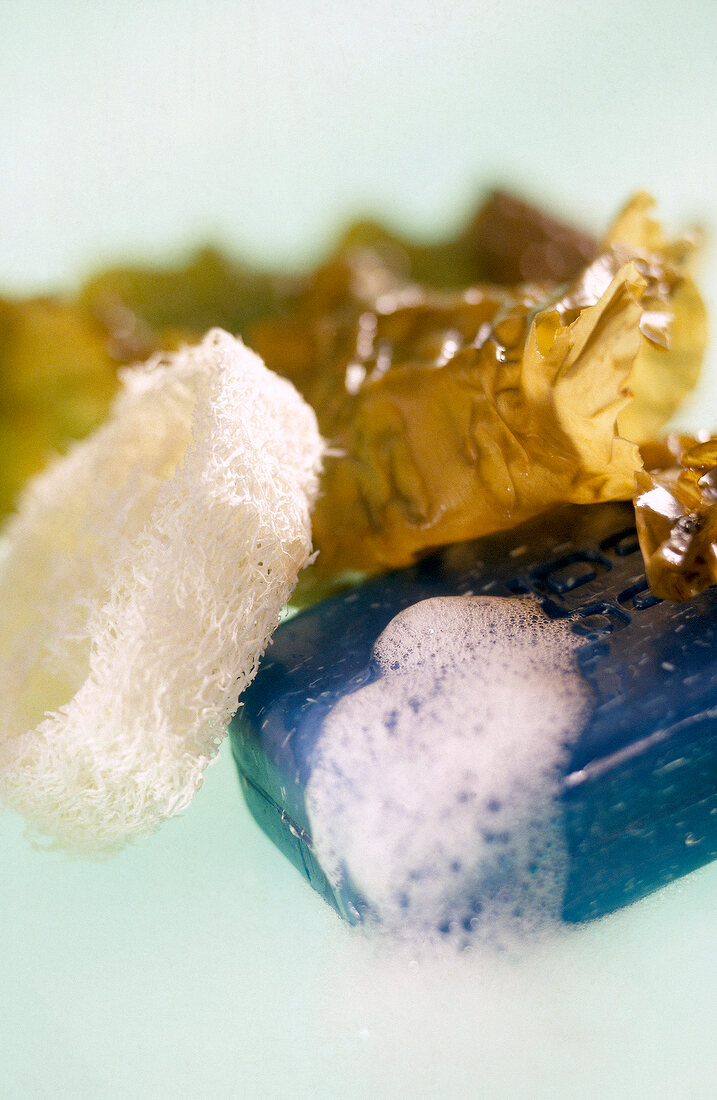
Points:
x=143 y=576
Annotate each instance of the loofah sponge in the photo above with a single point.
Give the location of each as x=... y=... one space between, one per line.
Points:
x=143 y=576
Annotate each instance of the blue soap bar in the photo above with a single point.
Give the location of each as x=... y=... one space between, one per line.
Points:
x=637 y=798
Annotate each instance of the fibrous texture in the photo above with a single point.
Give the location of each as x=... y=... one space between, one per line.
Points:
x=144 y=574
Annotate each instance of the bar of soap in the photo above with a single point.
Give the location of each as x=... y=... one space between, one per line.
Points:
x=512 y=731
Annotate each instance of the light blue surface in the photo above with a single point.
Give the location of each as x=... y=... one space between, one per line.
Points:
x=198 y=963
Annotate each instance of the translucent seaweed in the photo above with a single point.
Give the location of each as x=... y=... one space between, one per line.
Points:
x=455 y=413
x=676 y=513
x=464 y=385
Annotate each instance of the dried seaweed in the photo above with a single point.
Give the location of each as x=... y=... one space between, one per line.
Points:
x=464 y=385
x=676 y=513
x=453 y=414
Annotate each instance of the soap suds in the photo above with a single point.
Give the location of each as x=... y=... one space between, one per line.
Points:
x=434 y=791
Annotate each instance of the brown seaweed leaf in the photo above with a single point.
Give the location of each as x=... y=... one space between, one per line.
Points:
x=451 y=411
x=674 y=320
x=59 y=358
x=454 y=415
x=516 y=421
x=57 y=378
x=676 y=514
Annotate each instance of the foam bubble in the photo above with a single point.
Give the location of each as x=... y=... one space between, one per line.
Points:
x=434 y=791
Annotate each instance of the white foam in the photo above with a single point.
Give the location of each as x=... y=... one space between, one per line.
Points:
x=434 y=791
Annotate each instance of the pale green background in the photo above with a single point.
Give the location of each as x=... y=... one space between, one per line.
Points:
x=198 y=964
